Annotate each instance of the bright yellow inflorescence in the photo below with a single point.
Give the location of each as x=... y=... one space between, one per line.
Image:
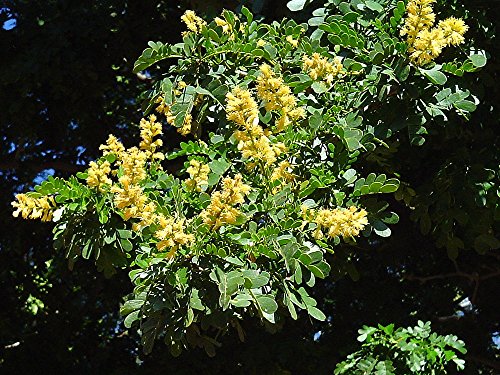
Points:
x=253 y=140
x=112 y=146
x=198 y=175
x=98 y=175
x=193 y=22
x=426 y=42
x=339 y=222
x=171 y=234
x=149 y=130
x=34 y=208
x=278 y=96
x=319 y=68
x=221 y=209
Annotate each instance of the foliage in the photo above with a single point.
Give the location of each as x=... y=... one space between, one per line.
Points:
x=446 y=157
x=415 y=350
x=255 y=256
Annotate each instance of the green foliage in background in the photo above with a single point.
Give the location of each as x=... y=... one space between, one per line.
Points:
x=412 y=350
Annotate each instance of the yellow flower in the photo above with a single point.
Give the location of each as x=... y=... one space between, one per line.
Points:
x=186 y=127
x=221 y=209
x=278 y=96
x=34 y=208
x=112 y=146
x=454 y=30
x=198 y=175
x=426 y=42
x=420 y=16
x=149 y=130
x=241 y=108
x=319 y=68
x=293 y=42
x=339 y=222
x=193 y=22
x=261 y=43
x=283 y=172
x=428 y=45
x=133 y=162
x=254 y=142
x=171 y=234
x=97 y=175
x=226 y=27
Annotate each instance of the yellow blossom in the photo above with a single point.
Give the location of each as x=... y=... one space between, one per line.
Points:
x=171 y=234
x=453 y=30
x=293 y=42
x=319 y=68
x=133 y=163
x=426 y=42
x=34 y=208
x=186 y=127
x=226 y=27
x=427 y=46
x=254 y=142
x=420 y=16
x=241 y=108
x=112 y=146
x=98 y=175
x=198 y=175
x=149 y=130
x=193 y=22
x=278 y=96
x=221 y=209
x=283 y=172
x=339 y=222
x=261 y=43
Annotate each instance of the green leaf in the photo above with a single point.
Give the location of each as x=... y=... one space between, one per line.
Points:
x=126 y=244
x=131 y=318
x=266 y=303
x=131 y=305
x=465 y=105
x=435 y=76
x=374 y=6
x=478 y=60
x=316 y=313
x=296 y=5
x=219 y=167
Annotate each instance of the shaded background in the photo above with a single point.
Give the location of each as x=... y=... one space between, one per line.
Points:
x=66 y=83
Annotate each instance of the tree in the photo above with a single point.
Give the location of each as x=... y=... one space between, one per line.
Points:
x=411 y=263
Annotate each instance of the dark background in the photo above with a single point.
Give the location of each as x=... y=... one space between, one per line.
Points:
x=66 y=83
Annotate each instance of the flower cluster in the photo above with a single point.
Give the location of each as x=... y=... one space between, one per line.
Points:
x=426 y=42
x=164 y=108
x=278 y=96
x=171 y=234
x=319 y=68
x=221 y=209
x=98 y=175
x=34 y=208
x=193 y=22
x=253 y=140
x=198 y=175
x=339 y=222
x=149 y=130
